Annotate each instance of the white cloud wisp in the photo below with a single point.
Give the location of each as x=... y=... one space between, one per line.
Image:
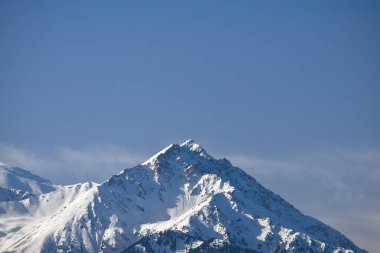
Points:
x=67 y=166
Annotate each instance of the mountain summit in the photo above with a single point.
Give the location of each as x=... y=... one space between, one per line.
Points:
x=180 y=200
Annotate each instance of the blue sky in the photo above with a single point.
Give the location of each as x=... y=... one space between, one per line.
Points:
x=106 y=84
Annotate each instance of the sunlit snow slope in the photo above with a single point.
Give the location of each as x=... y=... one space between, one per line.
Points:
x=180 y=200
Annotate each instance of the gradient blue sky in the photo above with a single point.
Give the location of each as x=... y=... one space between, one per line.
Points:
x=270 y=76
x=262 y=82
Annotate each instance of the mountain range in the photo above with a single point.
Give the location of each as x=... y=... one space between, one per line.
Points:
x=180 y=200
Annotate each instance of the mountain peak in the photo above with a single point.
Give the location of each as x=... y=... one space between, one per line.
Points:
x=19 y=179
x=188 y=143
x=186 y=146
x=191 y=145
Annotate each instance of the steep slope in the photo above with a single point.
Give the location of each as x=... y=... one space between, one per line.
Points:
x=14 y=178
x=180 y=200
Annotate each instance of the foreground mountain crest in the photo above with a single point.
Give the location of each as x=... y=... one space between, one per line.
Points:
x=180 y=200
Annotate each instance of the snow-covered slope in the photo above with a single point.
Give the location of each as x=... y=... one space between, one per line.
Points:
x=180 y=200
x=13 y=178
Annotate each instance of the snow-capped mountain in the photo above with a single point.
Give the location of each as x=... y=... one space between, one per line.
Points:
x=17 y=183
x=180 y=200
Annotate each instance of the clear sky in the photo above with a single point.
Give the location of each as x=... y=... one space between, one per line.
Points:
x=269 y=83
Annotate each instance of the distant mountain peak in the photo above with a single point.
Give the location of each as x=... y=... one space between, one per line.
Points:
x=193 y=146
x=186 y=147
x=19 y=179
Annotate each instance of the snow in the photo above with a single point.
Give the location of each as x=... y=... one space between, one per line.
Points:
x=179 y=200
x=19 y=179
